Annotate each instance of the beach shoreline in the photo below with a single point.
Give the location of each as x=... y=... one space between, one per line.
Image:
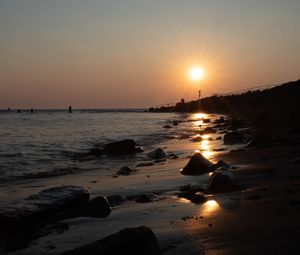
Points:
x=229 y=223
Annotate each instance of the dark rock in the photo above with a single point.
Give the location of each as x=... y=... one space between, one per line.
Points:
x=199 y=198
x=188 y=191
x=120 y=147
x=167 y=126
x=197 y=165
x=220 y=120
x=96 y=151
x=208 y=130
x=146 y=198
x=206 y=120
x=221 y=164
x=139 y=149
x=223 y=181
x=184 y=136
x=133 y=241
x=41 y=208
x=158 y=153
x=219 y=138
x=126 y=170
x=173 y=156
x=142 y=164
x=196 y=139
x=175 y=122
x=115 y=200
x=97 y=207
x=233 y=138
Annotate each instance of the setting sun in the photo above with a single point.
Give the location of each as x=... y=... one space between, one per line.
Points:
x=196 y=73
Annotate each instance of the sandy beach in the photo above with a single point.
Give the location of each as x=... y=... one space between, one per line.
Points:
x=261 y=218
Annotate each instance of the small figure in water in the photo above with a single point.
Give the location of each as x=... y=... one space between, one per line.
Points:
x=31 y=110
x=19 y=111
x=8 y=109
x=70 y=109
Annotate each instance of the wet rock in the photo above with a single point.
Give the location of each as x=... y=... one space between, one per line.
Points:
x=167 y=126
x=184 y=136
x=173 y=156
x=97 y=207
x=196 y=139
x=208 y=130
x=199 y=198
x=143 y=164
x=158 y=153
x=219 y=138
x=206 y=121
x=188 y=191
x=221 y=120
x=126 y=170
x=146 y=198
x=175 y=122
x=221 y=164
x=96 y=151
x=233 y=138
x=139 y=149
x=223 y=181
x=133 y=241
x=41 y=208
x=197 y=165
x=120 y=147
x=115 y=200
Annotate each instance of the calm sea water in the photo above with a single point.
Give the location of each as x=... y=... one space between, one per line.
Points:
x=46 y=142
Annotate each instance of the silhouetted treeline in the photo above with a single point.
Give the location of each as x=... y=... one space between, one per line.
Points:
x=285 y=95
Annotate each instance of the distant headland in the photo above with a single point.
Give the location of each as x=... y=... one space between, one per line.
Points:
x=286 y=95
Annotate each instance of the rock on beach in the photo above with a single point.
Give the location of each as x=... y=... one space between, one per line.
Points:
x=49 y=205
x=197 y=165
x=133 y=241
x=123 y=147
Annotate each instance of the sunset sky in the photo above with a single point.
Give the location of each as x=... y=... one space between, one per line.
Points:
x=137 y=53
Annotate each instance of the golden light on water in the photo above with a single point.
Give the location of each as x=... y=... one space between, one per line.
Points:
x=196 y=73
x=210 y=206
x=205 y=137
x=198 y=116
x=205 y=148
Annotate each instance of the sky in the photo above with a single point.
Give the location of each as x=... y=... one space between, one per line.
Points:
x=137 y=53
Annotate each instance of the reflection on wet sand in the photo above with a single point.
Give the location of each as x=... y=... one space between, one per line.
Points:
x=210 y=207
x=205 y=148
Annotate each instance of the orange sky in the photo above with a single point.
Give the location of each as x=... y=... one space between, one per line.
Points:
x=135 y=53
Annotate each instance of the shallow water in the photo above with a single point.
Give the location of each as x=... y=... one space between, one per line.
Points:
x=46 y=142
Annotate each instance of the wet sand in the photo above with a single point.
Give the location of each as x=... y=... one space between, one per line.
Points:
x=260 y=219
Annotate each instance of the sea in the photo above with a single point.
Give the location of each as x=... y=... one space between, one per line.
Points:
x=49 y=143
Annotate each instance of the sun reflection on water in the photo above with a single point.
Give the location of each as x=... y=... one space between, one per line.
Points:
x=198 y=116
x=205 y=148
x=210 y=207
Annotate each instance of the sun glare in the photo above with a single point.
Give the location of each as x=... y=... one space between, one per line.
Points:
x=196 y=73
